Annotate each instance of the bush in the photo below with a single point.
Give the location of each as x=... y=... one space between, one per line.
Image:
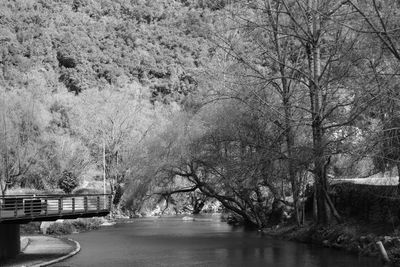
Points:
x=81 y=225
x=71 y=226
x=64 y=228
x=30 y=228
x=68 y=182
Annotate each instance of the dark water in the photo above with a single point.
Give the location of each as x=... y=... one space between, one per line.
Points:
x=174 y=242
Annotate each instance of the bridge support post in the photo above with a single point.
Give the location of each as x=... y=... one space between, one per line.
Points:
x=9 y=241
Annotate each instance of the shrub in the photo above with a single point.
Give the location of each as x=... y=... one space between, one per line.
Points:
x=68 y=182
x=71 y=226
x=64 y=228
x=30 y=228
x=86 y=224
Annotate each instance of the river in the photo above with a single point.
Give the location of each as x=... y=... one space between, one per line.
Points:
x=203 y=242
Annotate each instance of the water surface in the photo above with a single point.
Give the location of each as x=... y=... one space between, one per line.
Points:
x=175 y=242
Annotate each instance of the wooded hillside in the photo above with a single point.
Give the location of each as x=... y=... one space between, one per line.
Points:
x=245 y=102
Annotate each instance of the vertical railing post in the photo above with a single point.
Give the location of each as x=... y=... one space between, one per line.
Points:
x=109 y=202
x=73 y=205
x=15 y=207
x=59 y=205
x=46 y=207
x=98 y=203
x=85 y=203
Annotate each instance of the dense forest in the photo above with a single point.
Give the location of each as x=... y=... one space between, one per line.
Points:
x=252 y=104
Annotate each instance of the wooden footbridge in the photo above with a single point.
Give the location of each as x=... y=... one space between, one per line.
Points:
x=21 y=209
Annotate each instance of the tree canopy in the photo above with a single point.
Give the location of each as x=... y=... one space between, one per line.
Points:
x=245 y=102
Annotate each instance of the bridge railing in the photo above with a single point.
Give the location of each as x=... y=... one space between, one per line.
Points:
x=27 y=207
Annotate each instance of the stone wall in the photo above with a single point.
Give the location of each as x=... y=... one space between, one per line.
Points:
x=370 y=203
x=9 y=241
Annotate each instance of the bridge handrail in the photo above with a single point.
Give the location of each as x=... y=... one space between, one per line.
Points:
x=53 y=195
x=40 y=206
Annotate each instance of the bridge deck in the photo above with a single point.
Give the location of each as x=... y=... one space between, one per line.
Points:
x=26 y=208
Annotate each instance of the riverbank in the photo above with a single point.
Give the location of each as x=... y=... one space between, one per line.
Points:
x=38 y=249
x=65 y=227
x=351 y=237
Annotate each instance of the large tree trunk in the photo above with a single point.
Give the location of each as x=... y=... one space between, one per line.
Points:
x=288 y=125
x=289 y=146
x=323 y=212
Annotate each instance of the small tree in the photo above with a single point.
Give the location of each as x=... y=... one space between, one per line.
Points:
x=68 y=181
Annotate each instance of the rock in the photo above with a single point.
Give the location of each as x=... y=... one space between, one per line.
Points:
x=285 y=215
x=341 y=238
x=44 y=226
x=124 y=217
x=371 y=238
x=388 y=242
x=336 y=245
x=371 y=249
x=396 y=242
x=387 y=239
x=363 y=239
x=233 y=220
x=353 y=246
x=188 y=218
x=106 y=223
x=366 y=239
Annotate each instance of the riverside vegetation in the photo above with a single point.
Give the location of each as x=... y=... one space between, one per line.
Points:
x=63 y=228
x=257 y=106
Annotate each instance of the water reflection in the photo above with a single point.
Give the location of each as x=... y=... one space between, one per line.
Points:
x=173 y=242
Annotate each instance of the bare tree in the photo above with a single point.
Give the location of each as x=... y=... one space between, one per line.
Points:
x=312 y=65
x=379 y=22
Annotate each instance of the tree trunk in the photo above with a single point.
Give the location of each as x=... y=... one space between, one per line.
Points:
x=288 y=126
x=289 y=147
x=332 y=208
x=6 y=171
x=104 y=165
x=398 y=174
x=323 y=214
x=315 y=209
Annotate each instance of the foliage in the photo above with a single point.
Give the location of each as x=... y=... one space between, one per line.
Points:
x=81 y=225
x=244 y=102
x=68 y=181
x=30 y=228
x=85 y=44
x=70 y=226
x=64 y=228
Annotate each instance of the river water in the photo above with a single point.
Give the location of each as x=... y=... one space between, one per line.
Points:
x=203 y=242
